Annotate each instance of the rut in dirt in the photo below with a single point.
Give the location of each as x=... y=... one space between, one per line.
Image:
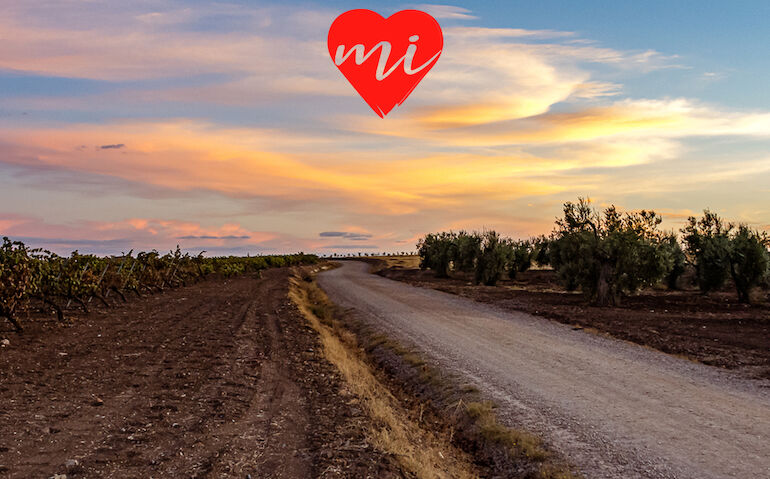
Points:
x=612 y=408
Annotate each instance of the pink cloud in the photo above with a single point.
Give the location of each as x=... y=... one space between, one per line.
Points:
x=111 y=237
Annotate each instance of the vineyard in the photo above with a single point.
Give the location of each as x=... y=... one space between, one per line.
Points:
x=608 y=255
x=39 y=279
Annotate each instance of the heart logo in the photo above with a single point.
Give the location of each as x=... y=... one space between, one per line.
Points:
x=385 y=58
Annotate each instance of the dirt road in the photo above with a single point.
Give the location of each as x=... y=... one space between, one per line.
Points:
x=218 y=379
x=613 y=408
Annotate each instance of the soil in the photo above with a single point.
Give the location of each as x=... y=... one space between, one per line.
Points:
x=218 y=379
x=715 y=329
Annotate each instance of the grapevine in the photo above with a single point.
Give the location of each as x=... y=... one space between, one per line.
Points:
x=39 y=278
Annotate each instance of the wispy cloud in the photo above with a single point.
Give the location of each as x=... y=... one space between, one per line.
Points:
x=346 y=235
x=446 y=11
x=350 y=246
x=213 y=237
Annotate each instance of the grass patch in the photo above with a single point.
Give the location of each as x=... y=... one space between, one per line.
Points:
x=517 y=442
x=420 y=452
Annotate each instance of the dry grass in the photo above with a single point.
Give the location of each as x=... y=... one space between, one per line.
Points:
x=518 y=442
x=483 y=434
x=420 y=452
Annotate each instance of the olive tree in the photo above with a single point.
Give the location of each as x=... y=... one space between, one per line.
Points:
x=707 y=244
x=521 y=256
x=675 y=256
x=607 y=254
x=540 y=250
x=493 y=259
x=467 y=248
x=436 y=252
x=748 y=260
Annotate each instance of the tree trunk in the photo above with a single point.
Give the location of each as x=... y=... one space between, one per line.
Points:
x=102 y=299
x=741 y=288
x=82 y=304
x=743 y=295
x=604 y=294
x=57 y=308
x=118 y=292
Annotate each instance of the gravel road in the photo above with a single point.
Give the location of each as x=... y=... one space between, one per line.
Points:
x=612 y=408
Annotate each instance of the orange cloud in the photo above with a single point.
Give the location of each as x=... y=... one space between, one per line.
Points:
x=186 y=156
x=629 y=119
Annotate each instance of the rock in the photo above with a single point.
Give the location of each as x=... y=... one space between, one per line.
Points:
x=5 y=342
x=70 y=463
x=58 y=476
x=97 y=401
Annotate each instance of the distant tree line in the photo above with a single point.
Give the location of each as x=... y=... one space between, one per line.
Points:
x=608 y=254
x=487 y=255
x=366 y=254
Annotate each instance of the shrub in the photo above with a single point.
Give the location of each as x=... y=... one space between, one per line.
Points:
x=467 y=248
x=748 y=260
x=493 y=258
x=707 y=244
x=540 y=250
x=609 y=254
x=520 y=260
x=675 y=256
x=436 y=252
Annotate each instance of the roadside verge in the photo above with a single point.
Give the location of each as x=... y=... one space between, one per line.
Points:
x=428 y=419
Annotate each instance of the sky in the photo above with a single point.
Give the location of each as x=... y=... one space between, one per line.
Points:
x=226 y=127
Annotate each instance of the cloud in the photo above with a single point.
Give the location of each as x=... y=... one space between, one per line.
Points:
x=485 y=74
x=485 y=33
x=227 y=237
x=187 y=156
x=110 y=245
x=112 y=147
x=126 y=43
x=446 y=11
x=111 y=237
x=490 y=75
x=350 y=246
x=530 y=157
x=639 y=118
x=9 y=220
x=346 y=235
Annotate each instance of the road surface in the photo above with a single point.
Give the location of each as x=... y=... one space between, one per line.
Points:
x=612 y=408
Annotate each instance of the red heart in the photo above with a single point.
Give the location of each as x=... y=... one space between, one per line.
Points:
x=385 y=58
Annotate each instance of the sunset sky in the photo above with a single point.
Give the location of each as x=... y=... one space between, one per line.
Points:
x=226 y=126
